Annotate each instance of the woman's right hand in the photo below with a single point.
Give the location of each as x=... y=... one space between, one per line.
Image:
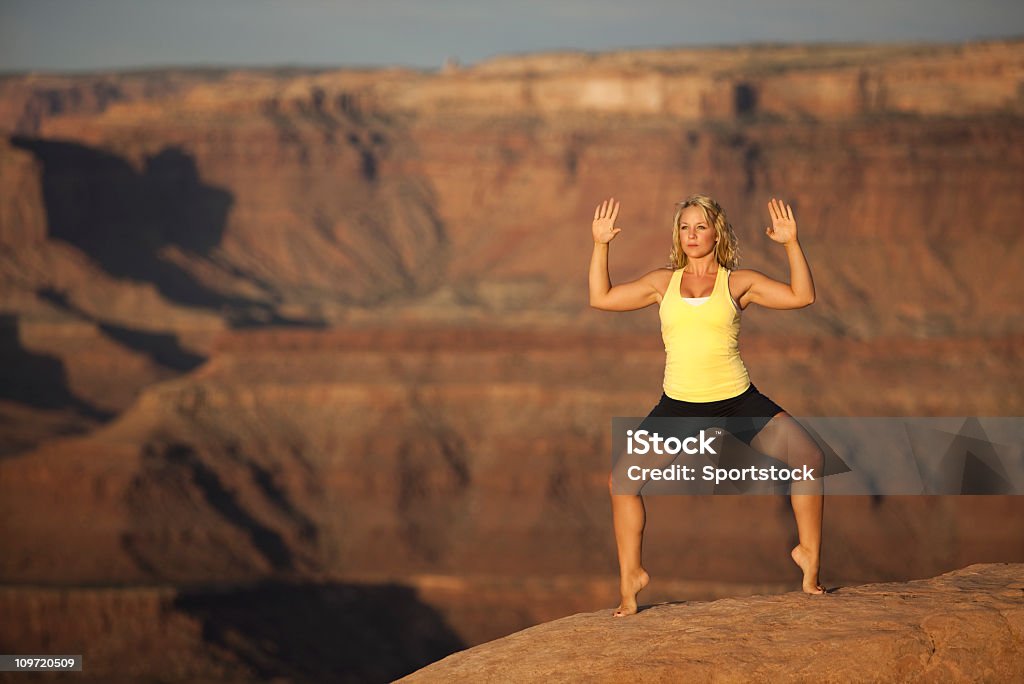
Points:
x=604 y=221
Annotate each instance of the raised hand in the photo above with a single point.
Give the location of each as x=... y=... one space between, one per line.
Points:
x=604 y=221
x=783 y=228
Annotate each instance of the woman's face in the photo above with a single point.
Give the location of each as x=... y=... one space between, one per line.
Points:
x=696 y=234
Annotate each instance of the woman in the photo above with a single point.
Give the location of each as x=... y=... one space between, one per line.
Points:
x=700 y=297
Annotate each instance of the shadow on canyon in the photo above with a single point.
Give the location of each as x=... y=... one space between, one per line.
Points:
x=322 y=632
x=125 y=220
x=38 y=380
x=162 y=348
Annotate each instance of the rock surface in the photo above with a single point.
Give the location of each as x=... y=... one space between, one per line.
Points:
x=966 y=625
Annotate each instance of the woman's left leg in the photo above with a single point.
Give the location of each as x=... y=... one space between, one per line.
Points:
x=784 y=439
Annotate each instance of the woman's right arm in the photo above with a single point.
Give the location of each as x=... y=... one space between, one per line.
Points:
x=635 y=294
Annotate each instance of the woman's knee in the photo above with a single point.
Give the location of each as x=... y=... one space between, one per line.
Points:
x=619 y=484
x=813 y=458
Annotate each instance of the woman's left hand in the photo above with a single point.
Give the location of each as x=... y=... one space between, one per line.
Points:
x=783 y=228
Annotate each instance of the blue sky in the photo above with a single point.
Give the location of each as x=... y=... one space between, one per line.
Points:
x=99 y=34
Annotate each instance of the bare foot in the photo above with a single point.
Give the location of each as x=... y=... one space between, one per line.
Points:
x=629 y=588
x=808 y=562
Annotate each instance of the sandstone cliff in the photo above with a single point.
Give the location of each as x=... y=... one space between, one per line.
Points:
x=145 y=213
x=472 y=466
x=330 y=197
x=333 y=324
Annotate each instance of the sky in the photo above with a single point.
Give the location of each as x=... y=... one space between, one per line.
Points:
x=71 y=35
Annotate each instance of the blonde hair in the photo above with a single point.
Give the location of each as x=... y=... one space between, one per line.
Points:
x=726 y=249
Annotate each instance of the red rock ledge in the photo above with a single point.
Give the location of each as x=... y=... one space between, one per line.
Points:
x=966 y=625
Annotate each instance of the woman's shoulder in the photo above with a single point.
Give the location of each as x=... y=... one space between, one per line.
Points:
x=743 y=274
x=660 y=276
x=659 y=279
x=742 y=279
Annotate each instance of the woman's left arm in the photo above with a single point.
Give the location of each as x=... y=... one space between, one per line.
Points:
x=770 y=293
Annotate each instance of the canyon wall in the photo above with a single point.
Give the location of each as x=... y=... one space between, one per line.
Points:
x=333 y=325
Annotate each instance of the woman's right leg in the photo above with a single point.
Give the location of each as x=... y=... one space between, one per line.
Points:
x=629 y=518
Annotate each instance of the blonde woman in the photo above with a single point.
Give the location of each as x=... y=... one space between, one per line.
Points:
x=700 y=297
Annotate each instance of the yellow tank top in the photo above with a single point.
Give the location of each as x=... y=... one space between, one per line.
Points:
x=702 y=353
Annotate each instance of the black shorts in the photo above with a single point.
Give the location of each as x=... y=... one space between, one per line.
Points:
x=743 y=415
